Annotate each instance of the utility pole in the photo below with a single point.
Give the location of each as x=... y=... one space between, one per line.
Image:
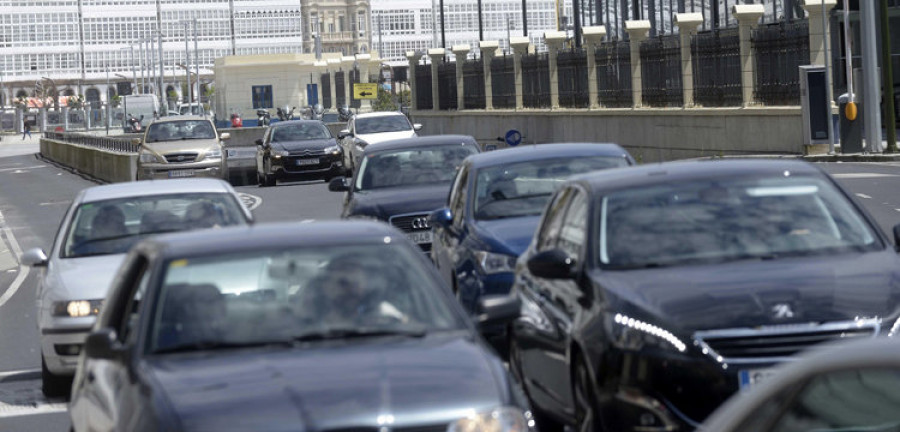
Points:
x=524 y=17
x=828 y=89
x=380 y=43
x=887 y=77
x=481 y=23
x=872 y=113
x=196 y=67
x=187 y=64
x=443 y=34
x=141 y=59
x=577 y=12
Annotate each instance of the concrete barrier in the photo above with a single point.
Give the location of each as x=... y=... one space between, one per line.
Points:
x=103 y=165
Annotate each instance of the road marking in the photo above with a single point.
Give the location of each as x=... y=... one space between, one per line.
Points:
x=19 y=170
x=252 y=202
x=861 y=175
x=20 y=395
x=307 y=221
x=862 y=195
x=7 y=374
x=17 y=251
x=49 y=203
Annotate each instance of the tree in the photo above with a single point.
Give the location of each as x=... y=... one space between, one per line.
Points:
x=75 y=102
x=385 y=101
x=116 y=101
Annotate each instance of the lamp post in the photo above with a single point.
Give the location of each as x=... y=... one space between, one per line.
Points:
x=133 y=71
x=187 y=54
x=124 y=100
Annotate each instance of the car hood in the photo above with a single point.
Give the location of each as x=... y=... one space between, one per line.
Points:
x=374 y=138
x=189 y=145
x=299 y=146
x=331 y=386
x=384 y=203
x=746 y=293
x=84 y=278
x=510 y=236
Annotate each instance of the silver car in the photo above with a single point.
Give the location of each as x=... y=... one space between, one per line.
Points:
x=182 y=146
x=98 y=229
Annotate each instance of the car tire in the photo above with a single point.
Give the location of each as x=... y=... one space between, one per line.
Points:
x=53 y=385
x=270 y=179
x=587 y=412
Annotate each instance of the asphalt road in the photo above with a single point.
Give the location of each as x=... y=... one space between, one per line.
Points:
x=34 y=195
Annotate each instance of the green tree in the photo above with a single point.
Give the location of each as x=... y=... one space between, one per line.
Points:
x=385 y=102
x=116 y=101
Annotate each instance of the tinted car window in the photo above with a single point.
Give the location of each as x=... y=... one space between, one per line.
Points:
x=522 y=189
x=180 y=130
x=113 y=226
x=574 y=228
x=283 y=295
x=743 y=218
x=395 y=123
x=300 y=132
x=412 y=166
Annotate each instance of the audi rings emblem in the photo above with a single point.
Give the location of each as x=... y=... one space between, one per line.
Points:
x=421 y=223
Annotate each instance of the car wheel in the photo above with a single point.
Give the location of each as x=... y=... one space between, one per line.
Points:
x=53 y=385
x=586 y=407
x=270 y=179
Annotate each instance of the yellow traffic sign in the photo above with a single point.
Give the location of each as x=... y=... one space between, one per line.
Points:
x=365 y=91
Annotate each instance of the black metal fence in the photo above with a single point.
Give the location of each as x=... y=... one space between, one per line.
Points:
x=326 y=90
x=423 y=87
x=473 y=84
x=503 y=82
x=780 y=49
x=121 y=145
x=661 y=71
x=447 y=86
x=573 y=78
x=339 y=89
x=536 y=80
x=717 y=68
x=614 y=74
x=354 y=78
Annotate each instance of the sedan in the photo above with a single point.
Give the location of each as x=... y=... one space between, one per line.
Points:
x=100 y=226
x=297 y=149
x=652 y=294
x=331 y=326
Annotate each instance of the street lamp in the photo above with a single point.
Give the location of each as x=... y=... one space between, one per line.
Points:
x=133 y=71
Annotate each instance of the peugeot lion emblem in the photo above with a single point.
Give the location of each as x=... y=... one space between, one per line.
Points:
x=421 y=223
x=782 y=311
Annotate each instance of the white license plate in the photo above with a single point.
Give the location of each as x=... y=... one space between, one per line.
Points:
x=302 y=162
x=181 y=173
x=748 y=378
x=420 y=237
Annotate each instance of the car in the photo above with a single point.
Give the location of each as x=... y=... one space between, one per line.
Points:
x=182 y=146
x=339 y=325
x=652 y=294
x=494 y=206
x=400 y=182
x=100 y=225
x=297 y=149
x=850 y=385
x=330 y=117
x=373 y=128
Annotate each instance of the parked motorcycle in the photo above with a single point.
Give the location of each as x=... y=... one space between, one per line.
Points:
x=263 y=118
x=285 y=113
x=236 y=121
x=344 y=113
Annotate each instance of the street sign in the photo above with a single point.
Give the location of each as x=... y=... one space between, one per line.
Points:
x=513 y=138
x=365 y=90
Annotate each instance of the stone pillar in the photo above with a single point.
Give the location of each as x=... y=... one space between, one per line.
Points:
x=347 y=63
x=488 y=51
x=520 y=47
x=748 y=18
x=362 y=62
x=637 y=33
x=593 y=37
x=437 y=58
x=320 y=68
x=687 y=26
x=461 y=52
x=554 y=41
x=413 y=58
x=817 y=34
x=333 y=66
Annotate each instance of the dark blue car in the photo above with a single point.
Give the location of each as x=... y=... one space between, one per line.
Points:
x=494 y=207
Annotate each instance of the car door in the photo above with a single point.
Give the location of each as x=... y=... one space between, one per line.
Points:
x=446 y=240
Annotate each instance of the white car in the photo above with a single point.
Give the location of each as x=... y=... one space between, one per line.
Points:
x=372 y=128
x=99 y=227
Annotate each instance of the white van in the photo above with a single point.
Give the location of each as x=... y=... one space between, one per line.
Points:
x=145 y=105
x=193 y=108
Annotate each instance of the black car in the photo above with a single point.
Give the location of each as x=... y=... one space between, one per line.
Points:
x=297 y=149
x=333 y=326
x=652 y=294
x=402 y=181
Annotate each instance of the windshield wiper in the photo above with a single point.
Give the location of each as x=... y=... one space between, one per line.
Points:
x=353 y=333
x=211 y=345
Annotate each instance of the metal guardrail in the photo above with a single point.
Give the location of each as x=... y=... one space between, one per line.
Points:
x=536 y=80
x=661 y=71
x=573 y=79
x=780 y=49
x=473 y=84
x=447 y=86
x=423 y=87
x=614 y=74
x=717 y=68
x=121 y=145
x=503 y=82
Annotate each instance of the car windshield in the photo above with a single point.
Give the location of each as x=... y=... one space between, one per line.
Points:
x=412 y=166
x=522 y=189
x=392 y=123
x=295 y=296
x=728 y=219
x=180 y=130
x=300 y=132
x=113 y=226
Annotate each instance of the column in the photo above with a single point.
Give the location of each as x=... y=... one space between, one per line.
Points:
x=321 y=67
x=461 y=52
x=687 y=26
x=520 y=47
x=413 y=58
x=593 y=37
x=437 y=59
x=637 y=33
x=347 y=63
x=488 y=51
x=333 y=66
x=817 y=33
x=748 y=18
x=554 y=41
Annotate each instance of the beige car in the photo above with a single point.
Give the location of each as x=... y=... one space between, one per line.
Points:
x=182 y=146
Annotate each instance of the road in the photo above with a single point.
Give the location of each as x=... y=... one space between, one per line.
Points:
x=34 y=195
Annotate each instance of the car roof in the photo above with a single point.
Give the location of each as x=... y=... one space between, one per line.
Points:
x=423 y=141
x=274 y=236
x=154 y=187
x=294 y=122
x=379 y=114
x=545 y=151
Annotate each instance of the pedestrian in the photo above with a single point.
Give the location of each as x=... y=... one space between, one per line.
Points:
x=27 y=129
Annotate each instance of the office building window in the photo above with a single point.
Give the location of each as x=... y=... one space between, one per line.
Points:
x=262 y=96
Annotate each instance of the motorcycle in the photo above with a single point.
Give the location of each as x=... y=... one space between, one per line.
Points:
x=344 y=113
x=133 y=124
x=236 y=121
x=263 y=118
x=285 y=114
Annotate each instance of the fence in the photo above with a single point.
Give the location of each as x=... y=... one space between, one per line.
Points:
x=447 y=86
x=326 y=90
x=423 y=87
x=473 y=84
x=661 y=71
x=503 y=82
x=536 y=80
x=780 y=49
x=121 y=145
x=614 y=74
x=573 y=79
x=717 y=68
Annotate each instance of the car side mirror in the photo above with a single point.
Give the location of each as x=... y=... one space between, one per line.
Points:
x=259 y=142
x=417 y=126
x=897 y=237
x=343 y=133
x=552 y=264
x=35 y=257
x=225 y=136
x=497 y=309
x=338 y=184
x=102 y=344
x=441 y=217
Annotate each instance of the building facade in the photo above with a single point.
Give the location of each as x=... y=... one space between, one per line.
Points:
x=336 y=26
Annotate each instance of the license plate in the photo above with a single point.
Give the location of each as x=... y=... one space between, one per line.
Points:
x=753 y=377
x=420 y=237
x=181 y=173
x=302 y=162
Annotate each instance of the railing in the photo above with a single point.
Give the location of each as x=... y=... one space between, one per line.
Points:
x=423 y=87
x=473 y=84
x=614 y=74
x=121 y=145
x=346 y=36
x=340 y=89
x=573 y=78
x=661 y=71
x=536 y=80
x=447 y=86
x=326 y=90
x=780 y=49
x=717 y=68
x=503 y=82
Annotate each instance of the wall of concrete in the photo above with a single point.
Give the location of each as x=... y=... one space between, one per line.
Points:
x=104 y=165
x=650 y=135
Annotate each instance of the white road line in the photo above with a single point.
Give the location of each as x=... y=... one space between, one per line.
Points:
x=307 y=220
x=17 y=372
x=19 y=169
x=862 y=195
x=861 y=175
x=41 y=408
x=17 y=251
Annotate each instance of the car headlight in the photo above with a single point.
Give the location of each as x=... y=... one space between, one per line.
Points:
x=280 y=153
x=146 y=157
x=77 y=308
x=214 y=153
x=504 y=419
x=634 y=334
x=495 y=263
x=333 y=149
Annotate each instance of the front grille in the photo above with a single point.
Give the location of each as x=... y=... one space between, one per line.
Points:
x=181 y=157
x=405 y=222
x=779 y=341
x=304 y=153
